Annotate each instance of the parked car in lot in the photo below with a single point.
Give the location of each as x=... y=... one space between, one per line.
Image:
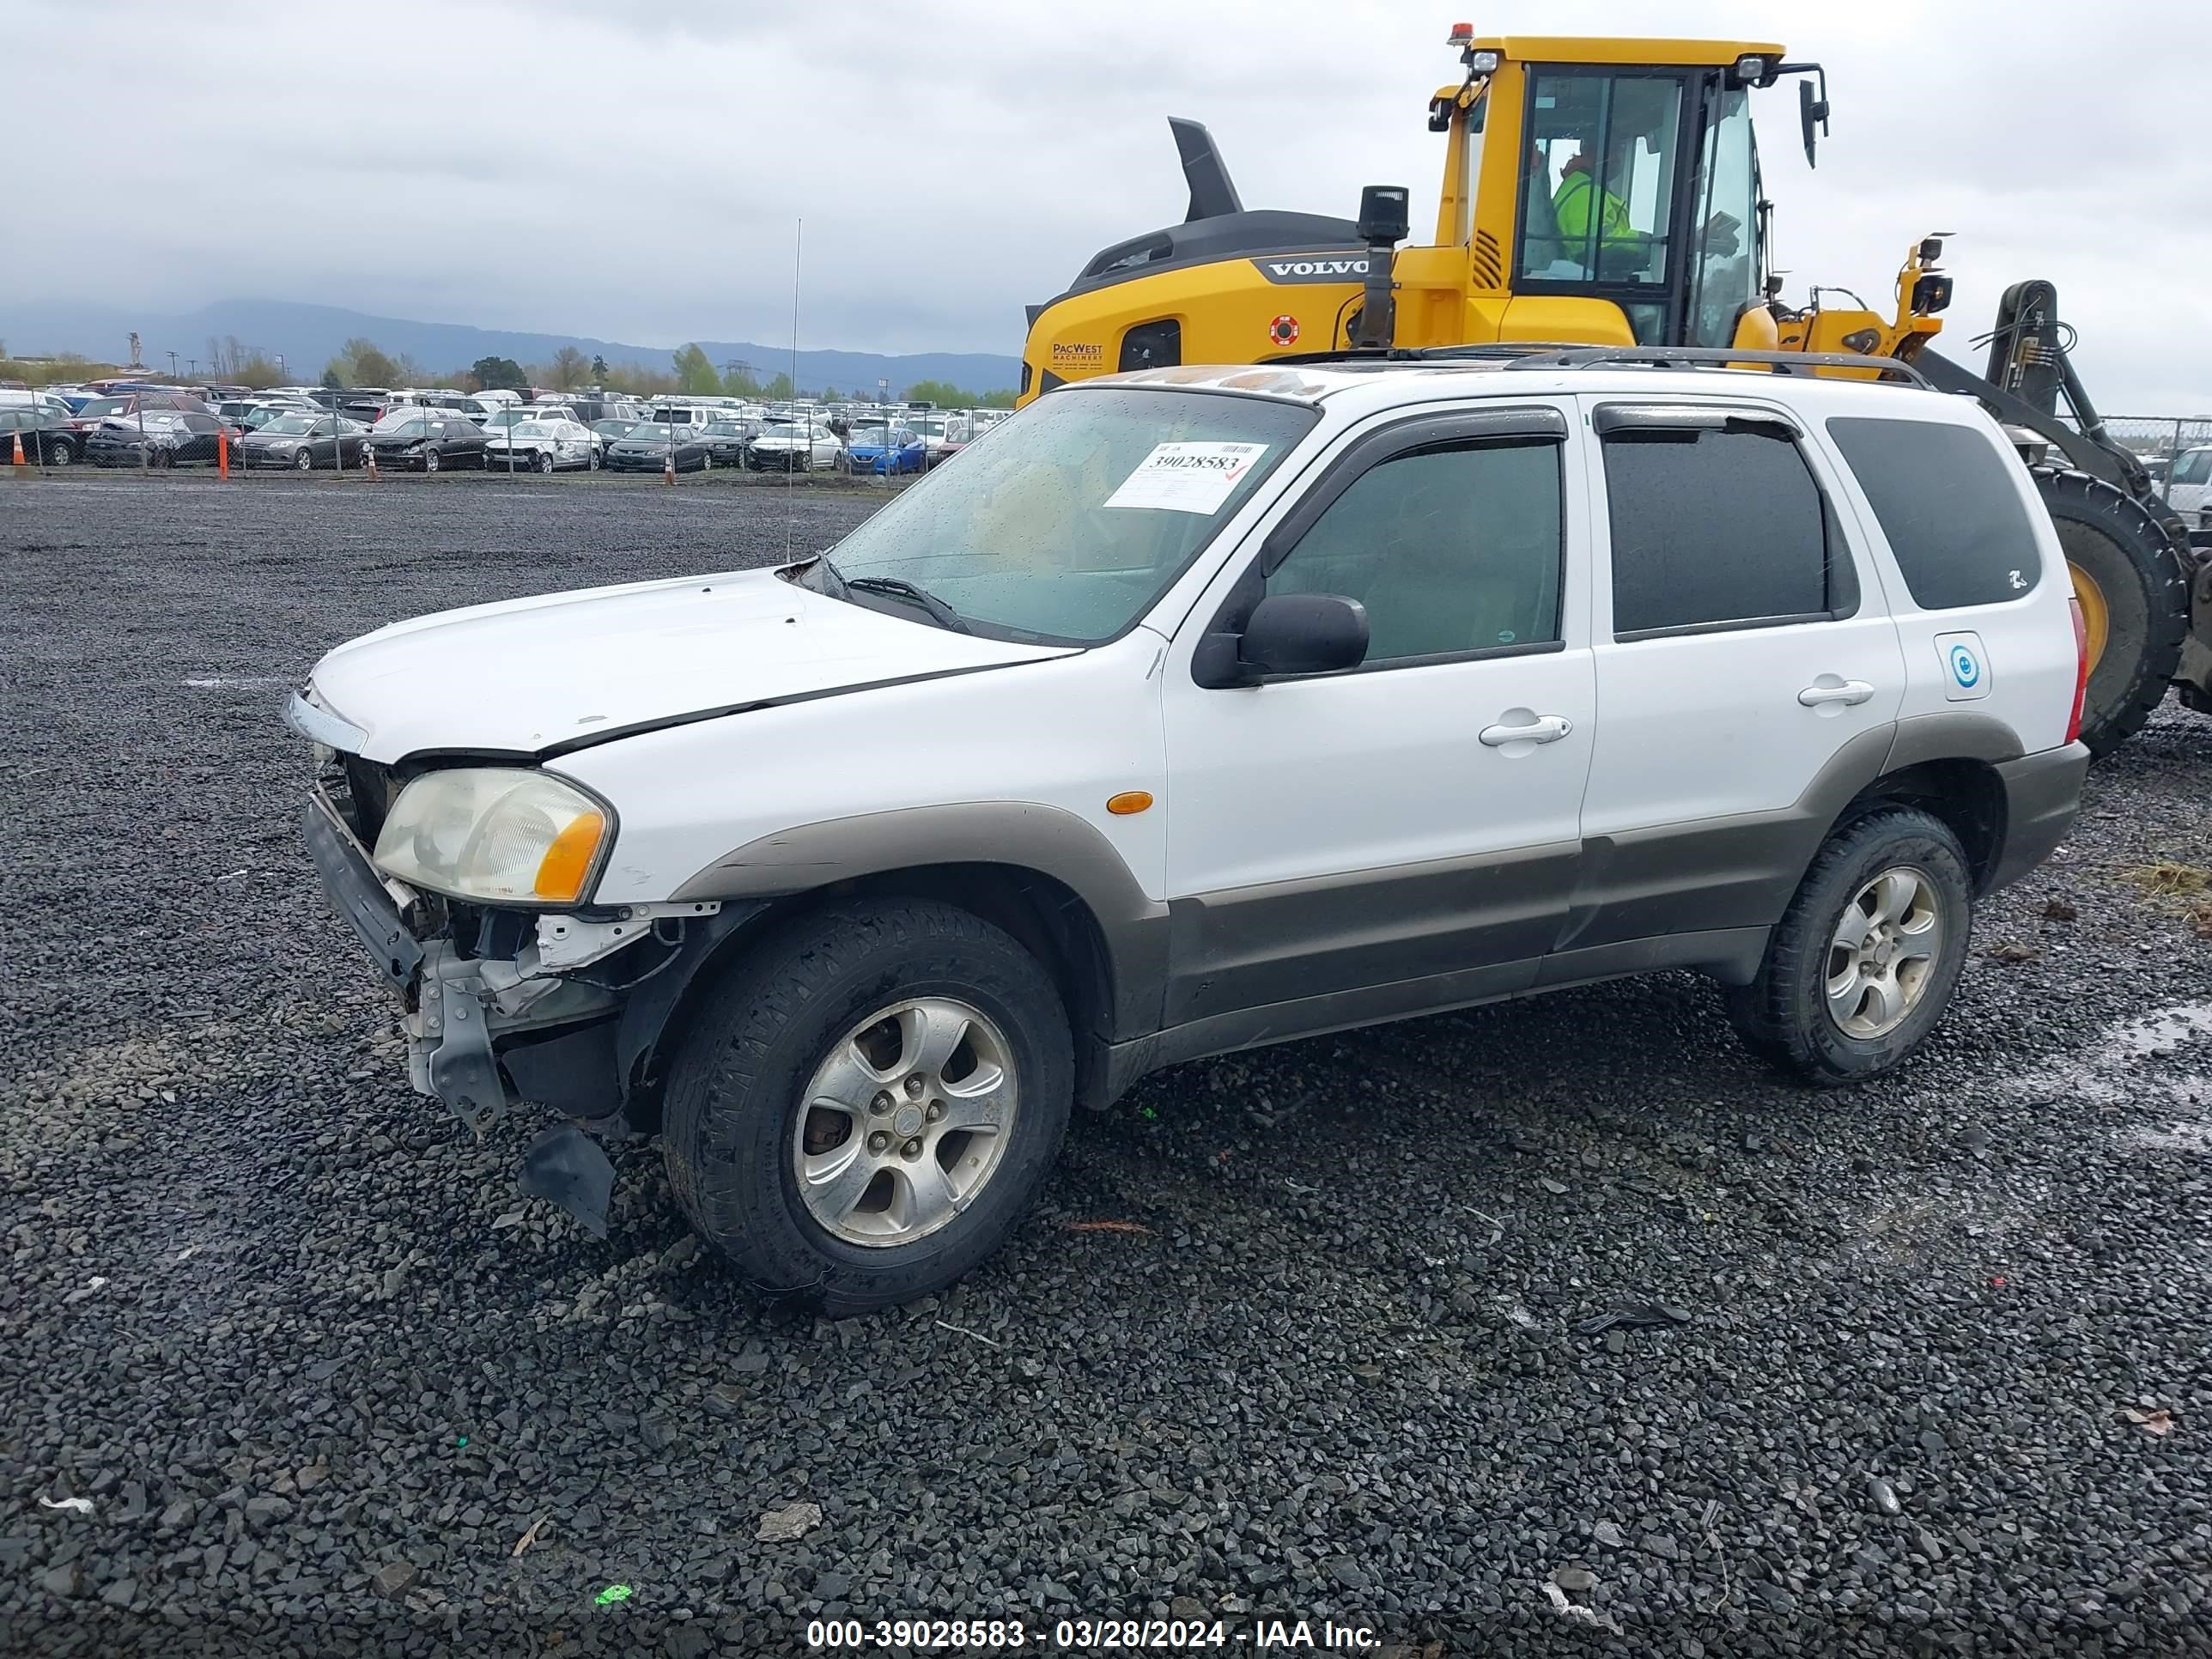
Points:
x=725 y=440
x=610 y=431
x=648 y=446
x=1352 y=752
x=156 y=437
x=785 y=444
x=48 y=438
x=2189 y=482
x=305 y=441
x=428 y=441
x=885 y=450
x=543 y=446
x=90 y=415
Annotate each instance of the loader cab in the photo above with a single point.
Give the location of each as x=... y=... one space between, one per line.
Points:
x=1635 y=183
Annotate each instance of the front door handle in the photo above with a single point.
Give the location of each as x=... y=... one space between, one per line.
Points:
x=1547 y=728
x=1828 y=689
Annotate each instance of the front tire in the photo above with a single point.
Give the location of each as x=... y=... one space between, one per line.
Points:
x=545 y=462
x=430 y=462
x=306 y=461
x=1864 y=961
x=869 y=1101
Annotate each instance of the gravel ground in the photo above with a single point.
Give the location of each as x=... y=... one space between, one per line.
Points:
x=320 y=1374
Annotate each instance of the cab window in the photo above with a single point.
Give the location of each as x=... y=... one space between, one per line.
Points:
x=1725 y=274
x=1599 y=177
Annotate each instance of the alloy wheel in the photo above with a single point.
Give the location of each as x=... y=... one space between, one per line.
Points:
x=1883 y=953
x=905 y=1121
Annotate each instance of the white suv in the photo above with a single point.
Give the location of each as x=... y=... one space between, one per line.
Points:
x=1202 y=708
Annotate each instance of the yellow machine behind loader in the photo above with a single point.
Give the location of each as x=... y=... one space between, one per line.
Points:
x=1606 y=192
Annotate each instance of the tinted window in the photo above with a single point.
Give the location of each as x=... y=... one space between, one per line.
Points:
x=1453 y=549
x=1947 y=501
x=1717 y=526
x=200 y=422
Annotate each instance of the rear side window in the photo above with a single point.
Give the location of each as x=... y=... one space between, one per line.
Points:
x=1719 y=527
x=2194 y=467
x=1947 y=501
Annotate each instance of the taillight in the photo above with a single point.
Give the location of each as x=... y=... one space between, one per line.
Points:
x=2081 y=667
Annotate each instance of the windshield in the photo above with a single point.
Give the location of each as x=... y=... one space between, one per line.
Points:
x=290 y=426
x=726 y=430
x=105 y=406
x=649 y=432
x=534 y=430
x=1074 y=519
x=507 y=417
x=403 y=426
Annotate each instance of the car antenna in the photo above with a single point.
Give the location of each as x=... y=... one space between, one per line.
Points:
x=806 y=427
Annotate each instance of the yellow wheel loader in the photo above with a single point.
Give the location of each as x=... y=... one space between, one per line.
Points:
x=1606 y=192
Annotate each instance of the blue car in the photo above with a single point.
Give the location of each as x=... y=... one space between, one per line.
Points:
x=873 y=450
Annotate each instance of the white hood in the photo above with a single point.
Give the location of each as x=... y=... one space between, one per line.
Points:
x=526 y=674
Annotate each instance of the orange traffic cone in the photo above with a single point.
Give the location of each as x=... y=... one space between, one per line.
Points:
x=668 y=469
x=19 y=449
x=223 y=451
x=370 y=454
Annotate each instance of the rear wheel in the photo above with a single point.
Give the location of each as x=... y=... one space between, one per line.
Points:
x=59 y=454
x=2134 y=602
x=1863 y=963
x=866 y=1105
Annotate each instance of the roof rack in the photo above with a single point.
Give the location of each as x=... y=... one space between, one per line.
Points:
x=1545 y=354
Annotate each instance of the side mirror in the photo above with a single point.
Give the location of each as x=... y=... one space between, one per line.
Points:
x=1303 y=634
x=1812 y=111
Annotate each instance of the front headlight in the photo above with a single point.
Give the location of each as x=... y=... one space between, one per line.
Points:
x=494 y=833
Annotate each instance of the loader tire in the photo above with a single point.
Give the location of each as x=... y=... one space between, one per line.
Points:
x=2124 y=568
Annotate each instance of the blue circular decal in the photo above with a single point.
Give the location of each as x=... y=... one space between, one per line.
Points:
x=1964 y=668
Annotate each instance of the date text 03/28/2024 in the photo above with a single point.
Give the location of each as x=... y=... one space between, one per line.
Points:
x=1092 y=1635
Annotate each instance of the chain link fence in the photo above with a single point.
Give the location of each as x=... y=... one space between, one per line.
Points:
x=2160 y=438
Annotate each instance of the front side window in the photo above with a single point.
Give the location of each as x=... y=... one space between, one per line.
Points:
x=1948 y=506
x=1451 y=549
x=1600 y=170
x=1719 y=526
x=1073 y=521
x=2194 y=467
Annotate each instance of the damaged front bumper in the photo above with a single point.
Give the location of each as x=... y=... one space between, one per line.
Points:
x=488 y=1029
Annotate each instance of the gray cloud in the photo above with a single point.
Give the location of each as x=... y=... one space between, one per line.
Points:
x=636 y=172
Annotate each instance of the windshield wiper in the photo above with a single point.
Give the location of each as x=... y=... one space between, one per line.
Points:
x=899 y=588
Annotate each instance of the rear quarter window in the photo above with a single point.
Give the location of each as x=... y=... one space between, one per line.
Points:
x=1948 y=503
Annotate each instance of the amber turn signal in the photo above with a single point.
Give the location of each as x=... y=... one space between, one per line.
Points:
x=1128 y=801
x=560 y=873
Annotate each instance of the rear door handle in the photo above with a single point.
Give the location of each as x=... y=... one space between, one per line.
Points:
x=1835 y=690
x=1549 y=728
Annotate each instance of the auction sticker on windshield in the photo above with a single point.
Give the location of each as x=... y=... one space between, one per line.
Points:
x=1187 y=478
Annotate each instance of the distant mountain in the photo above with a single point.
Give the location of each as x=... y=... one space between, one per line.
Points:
x=310 y=336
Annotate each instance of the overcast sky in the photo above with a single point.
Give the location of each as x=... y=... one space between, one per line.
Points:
x=634 y=172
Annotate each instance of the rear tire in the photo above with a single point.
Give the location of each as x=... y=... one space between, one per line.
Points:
x=1787 y=1014
x=2108 y=538
x=737 y=1104
x=59 y=454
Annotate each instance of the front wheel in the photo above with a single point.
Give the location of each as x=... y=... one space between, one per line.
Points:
x=545 y=462
x=869 y=1101
x=306 y=461
x=1863 y=963
x=430 y=462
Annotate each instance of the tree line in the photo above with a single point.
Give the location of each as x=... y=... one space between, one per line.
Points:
x=691 y=372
